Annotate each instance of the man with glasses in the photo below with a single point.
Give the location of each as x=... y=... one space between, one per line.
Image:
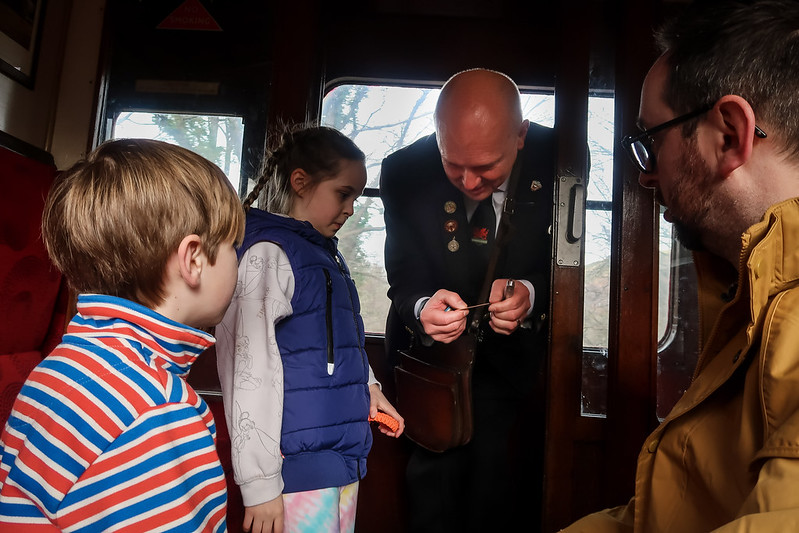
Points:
x=720 y=147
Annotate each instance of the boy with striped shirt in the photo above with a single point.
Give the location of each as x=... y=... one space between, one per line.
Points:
x=106 y=433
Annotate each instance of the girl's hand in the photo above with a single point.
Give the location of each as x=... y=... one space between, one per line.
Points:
x=265 y=517
x=380 y=403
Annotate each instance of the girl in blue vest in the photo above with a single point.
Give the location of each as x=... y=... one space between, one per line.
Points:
x=298 y=389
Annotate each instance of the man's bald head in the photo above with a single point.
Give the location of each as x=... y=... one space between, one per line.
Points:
x=480 y=98
x=479 y=129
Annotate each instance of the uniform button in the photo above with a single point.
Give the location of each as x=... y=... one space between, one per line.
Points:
x=653 y=445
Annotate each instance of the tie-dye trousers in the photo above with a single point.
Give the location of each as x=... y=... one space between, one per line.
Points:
x=329 y=510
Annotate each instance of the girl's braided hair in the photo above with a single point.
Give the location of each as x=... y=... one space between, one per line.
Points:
x=318 y=150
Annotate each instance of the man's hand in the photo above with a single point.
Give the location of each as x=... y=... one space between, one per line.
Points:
x=440 y=319
x=509 y=305
x=265 y=517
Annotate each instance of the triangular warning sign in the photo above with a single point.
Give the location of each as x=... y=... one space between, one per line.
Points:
x=190 y=15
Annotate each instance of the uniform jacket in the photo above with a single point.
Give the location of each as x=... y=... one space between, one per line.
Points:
x=425 y=213
x=112 y=431
x=325 y=436
x=726 y=457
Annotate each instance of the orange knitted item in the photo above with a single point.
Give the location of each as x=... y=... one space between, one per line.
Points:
x=387 y=420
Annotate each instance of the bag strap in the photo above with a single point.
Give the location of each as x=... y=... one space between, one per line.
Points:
x=503 y=235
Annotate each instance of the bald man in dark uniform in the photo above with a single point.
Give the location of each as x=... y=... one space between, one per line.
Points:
x=435 y=261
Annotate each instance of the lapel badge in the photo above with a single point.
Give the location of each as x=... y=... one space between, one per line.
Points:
x=450 y=226
x=535 y=185
x=449 y=207
x=453 y=245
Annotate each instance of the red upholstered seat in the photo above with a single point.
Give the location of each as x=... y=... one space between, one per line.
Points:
x=33 y=299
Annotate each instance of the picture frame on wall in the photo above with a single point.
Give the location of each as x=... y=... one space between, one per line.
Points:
x=20 y=34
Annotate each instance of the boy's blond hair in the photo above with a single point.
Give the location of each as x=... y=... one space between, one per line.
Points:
x=113 y=219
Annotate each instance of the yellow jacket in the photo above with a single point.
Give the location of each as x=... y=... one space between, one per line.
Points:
x=726 y=458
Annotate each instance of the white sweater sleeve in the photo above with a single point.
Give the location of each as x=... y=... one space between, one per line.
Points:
x=251 y=370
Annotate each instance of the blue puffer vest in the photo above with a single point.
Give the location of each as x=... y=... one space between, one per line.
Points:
x=326 y=436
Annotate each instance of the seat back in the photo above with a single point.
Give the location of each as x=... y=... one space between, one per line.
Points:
x=33 y=297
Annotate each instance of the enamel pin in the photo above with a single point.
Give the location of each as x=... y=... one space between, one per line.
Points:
x=480 y=235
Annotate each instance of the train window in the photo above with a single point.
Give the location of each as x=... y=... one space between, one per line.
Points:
x=218 y=138
x=379 y=119
x=598 y=225
x=678 y=321
x=384 y=118
x=676 y=312
x=666 y=295
x=596 y=283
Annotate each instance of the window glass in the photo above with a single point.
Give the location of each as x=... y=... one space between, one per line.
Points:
x=596 y=283
x=598 y=223
x=678 y=321
x=667 y=247
x=381 y=119
x=218 y=138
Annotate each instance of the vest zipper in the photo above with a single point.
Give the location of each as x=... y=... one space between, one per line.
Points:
x=364 y=359
x=329 y=322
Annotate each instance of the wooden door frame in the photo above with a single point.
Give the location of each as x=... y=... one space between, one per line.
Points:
x=564 y=423
x=590 y=461
x=632 y=366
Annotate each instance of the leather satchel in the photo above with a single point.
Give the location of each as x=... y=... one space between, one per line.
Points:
x=434 y=383
x=434 y=390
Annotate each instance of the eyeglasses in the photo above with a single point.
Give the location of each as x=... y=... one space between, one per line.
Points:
x=639 y=147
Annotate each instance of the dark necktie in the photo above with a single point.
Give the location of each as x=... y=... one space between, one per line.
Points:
x=483 y=223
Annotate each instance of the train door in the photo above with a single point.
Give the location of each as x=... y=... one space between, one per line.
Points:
x=382 y=117
x=615 y=374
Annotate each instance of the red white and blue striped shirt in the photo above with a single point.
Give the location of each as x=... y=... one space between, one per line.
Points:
x=107 y=435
